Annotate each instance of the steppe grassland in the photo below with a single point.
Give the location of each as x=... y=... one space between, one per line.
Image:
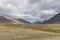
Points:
x=29 y=31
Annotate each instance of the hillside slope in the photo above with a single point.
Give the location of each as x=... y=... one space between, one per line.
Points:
x=55 y=19
x=7 y=19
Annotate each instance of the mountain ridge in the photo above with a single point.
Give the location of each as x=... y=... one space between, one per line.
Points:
x=54 y=20
x=8 y=19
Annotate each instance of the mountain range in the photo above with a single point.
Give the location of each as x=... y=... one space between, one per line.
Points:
x=7 y=19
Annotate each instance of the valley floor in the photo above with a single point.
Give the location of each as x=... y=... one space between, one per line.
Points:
x=29 y=32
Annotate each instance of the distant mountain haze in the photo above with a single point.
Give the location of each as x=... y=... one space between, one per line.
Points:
x=24 y=21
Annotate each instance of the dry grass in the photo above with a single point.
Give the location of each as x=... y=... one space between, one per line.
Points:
x=29 y=31
x=46 y=27
x=40 y=27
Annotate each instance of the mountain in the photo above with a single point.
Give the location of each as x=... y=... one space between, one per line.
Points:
x=24 y=21
x=7 y=19
x=55 y=19
x=37 y=22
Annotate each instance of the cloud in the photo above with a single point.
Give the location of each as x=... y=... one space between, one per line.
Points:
x=30 y=10
x=47 y=14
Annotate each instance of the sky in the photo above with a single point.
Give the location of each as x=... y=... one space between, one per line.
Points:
x=30 y=10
